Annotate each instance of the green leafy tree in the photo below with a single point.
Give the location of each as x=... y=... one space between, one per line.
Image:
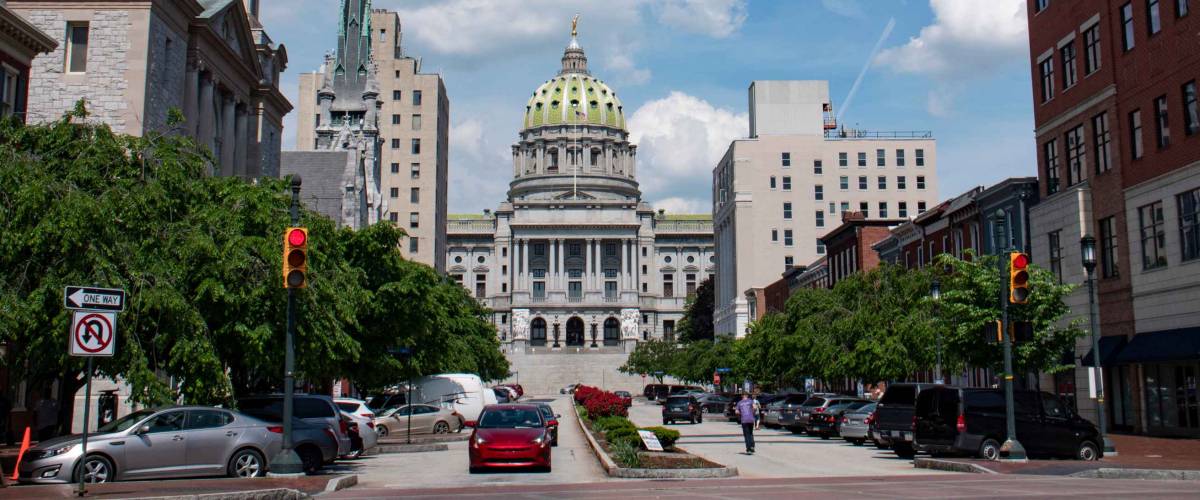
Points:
x=650 y=357
x=697 y=322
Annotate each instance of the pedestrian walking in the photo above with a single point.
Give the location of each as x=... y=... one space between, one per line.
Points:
x=749 y=420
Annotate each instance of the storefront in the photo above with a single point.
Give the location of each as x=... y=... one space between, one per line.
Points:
x=1169 y=363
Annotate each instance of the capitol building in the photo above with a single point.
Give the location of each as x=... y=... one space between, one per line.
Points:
x=574 y=261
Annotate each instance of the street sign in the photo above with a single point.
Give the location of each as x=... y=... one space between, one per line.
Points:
x=723 y=370
x=93 y=333
x=651 y=441
x=94 y=299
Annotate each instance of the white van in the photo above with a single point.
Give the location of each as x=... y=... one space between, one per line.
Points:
x=461 y=392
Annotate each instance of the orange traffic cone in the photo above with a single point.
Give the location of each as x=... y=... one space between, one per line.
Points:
x=20 y=454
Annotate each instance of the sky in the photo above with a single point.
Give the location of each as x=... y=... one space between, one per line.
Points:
x=958 y=68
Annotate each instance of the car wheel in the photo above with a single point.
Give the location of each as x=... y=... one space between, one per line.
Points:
x=246 y=463
x=96 y=469
x=794 y=430
x=382 y=431
x=824 y=435
x=989 y=449
x=1088 y=451
x=310 y=459
x=904 y=450
x=858 y=442
x=441 y=428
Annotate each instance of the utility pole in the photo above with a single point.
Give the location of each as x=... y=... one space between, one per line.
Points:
x=1011 y=446
x=287 y=461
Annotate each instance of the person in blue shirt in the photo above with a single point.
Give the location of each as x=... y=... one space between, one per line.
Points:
x=748 y=418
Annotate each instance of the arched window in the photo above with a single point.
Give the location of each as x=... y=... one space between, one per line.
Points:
x=537 y=332
x=595 y=160
x=612 y=332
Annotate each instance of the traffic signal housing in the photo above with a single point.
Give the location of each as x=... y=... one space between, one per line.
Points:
x=1018 y=278
x=295 y=257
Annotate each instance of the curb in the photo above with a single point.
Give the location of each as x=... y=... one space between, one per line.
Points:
x=426 y=439
x=268 y=494
x=1151 y=474
x=952 y=466
x=605 y=461
x=412 y=448
x=613 y=470
x=341 y=482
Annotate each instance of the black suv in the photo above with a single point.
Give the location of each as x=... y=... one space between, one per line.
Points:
x=682 y=408
x=894 y=417
x=972 y=422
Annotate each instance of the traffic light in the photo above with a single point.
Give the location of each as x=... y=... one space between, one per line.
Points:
x=295 y=257
x=1018 y=278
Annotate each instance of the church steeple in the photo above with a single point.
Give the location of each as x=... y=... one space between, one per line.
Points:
x=352 y=67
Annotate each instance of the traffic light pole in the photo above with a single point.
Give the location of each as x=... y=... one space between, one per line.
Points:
x=1011 y=446
x=287 y=461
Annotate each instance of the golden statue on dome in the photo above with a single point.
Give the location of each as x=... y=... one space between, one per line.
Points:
x=575 y=26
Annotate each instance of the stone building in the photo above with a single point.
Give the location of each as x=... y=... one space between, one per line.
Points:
x=133 y=61
x=371 y=101
x=19 y=43
x=776 y=192
x=574 y=263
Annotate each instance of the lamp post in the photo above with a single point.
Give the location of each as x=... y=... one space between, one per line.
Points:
x=1087 y=252
x=935 y=292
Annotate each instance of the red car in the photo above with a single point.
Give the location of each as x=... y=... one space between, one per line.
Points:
x=510 y=435
x=516 y=387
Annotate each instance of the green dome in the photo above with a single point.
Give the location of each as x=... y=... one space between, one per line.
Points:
x=574 y=99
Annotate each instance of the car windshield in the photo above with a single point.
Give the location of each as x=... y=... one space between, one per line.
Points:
x=350 y=407
x=900 y=394
x=858 y=405
x=510 y=418
x=125 y=422
x=814 y=402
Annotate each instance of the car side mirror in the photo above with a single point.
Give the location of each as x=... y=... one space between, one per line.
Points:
x=469 y=423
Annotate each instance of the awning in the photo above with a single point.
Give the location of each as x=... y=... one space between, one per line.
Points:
x=1158 y=347
x=1110 y=347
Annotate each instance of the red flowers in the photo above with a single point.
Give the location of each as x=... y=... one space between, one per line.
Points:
x=600 y=403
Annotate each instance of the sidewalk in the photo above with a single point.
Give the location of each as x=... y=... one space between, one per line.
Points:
x=1133 y=452
x=226 y=488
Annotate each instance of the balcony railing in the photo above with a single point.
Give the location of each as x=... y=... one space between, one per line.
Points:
x=575 y=298
x=470 y=226
x=539 y=273
x=684 y=226
x=867 y=134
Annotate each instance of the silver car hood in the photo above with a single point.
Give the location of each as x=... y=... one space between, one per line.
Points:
x=61 y=441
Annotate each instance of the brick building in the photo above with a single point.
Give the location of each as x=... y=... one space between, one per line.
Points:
x=1118 y=135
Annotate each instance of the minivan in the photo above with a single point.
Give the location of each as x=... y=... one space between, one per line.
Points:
x=894 y=417
x=972 y=422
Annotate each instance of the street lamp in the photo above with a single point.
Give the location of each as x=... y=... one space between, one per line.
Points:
x=1087 y=253
x=935 y=292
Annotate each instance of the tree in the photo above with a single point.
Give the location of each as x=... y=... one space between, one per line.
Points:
x=651 y=357
x=697 y=322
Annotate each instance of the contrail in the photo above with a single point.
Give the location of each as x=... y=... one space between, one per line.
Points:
x=887 y=31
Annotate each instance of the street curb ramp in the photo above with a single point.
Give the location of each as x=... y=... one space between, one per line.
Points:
x=411 y=448
x=613 y=470
x=337 y=483
x=951 y=466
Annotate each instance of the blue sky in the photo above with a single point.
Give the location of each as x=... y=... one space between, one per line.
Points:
x=681 y=67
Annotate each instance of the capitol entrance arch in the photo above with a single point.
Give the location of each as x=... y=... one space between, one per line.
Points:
x=575 y=332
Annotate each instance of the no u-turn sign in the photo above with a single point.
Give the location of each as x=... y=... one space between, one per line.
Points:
x=93 y=333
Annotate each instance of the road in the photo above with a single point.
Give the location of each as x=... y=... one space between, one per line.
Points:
x=778 y=453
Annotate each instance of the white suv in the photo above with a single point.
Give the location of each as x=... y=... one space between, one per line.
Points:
x=357 y=410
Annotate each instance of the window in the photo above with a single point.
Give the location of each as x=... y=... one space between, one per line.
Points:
x=774 y=236
x=844 y=183
x=820 y=247
x=1050 y=155
x=882 y=181
x=1091 y=48
x=207 y=419
x=920 y=207
x=920 y=182
x=395 y=192
x=787 y=211
x=903 y=210
x=1108 y=248
x=1076 y=154
x=883 y=211
x=785 y=159
x=1046 y=71
x=395 y=95
x=901 y=182
x=77 y=47
x=415 y=168
x=1042 y=4
x=416 y=122
x=1154 y=235
x=864 y=208
x=820 y=218
x=1154 y=21
x=862 y=159
x=1191 y=113
x=1189 y=224
x=416 y=146
x=1181 y=8
x=394 y=217
x=1161 y=126
x=845 y=206
x=414 y=219
x=395 y=168
x=1100 y=140
x=395 y=119
x=1070 y=75
x=788 y=261
x=1127 y=26
x=414 y=195
x=1055 y=243
x=920 y=157
x=862 y=183
x=395 y=143
x=416 y=94
x=899 y=157
x=1135 y=133
x=880 y=158
x=843 y=159
x=412 y=244
x=819 y=192
x=817 y=167
x=539 y=291
x=772 y=182
x=787 y=237
x=787 y=183
x=668 y=285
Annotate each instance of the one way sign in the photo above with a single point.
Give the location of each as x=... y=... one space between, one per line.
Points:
x=94 y=299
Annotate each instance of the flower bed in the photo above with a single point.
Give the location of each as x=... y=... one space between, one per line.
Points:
x=618 y=441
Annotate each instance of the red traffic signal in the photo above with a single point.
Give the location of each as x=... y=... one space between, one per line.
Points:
x=1018 y=278
x=295 y=257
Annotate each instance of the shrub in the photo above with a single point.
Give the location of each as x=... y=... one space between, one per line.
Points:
x=583 y=392
x=666 y=436
x=623 y=434
x=605 y=404
x=626 y=454
x=583 y=413
x=605 y=424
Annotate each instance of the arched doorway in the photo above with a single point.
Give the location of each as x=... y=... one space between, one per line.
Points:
x=612 y=332
x=575 y=332
x=537 y=332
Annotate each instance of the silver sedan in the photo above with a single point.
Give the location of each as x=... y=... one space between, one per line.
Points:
x=855 y=427
x=426 y=419
x=172 y=442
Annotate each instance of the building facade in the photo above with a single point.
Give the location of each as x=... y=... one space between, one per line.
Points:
x=19 y=43
x=574 y=260
x=1118 y=135
x=371 y=100
x=134 y=61
x=778 y=191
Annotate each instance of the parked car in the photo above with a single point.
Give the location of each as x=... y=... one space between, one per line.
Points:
x=652 y=391
x=314 y=409
x=426 y=419
x=856 y=424
x=316 y=445
x=894 y=417
x=681 y=408
x=461 y=392
x=789 y=408
x=509 y=393
x=381 y=402
x=186 y=441
x=362 y=436
x=770 y=418
x=714 y=403
x=516 y=387
x=816 y=403
x=551 y=420
x=626 y=398
x=972 y=422
x=501 y=395
x=570 y=389
x=509 y=436
x=824 y=423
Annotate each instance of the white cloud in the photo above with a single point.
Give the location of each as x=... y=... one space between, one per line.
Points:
x=847 y=8
x=715 y=18
x=677 y=205
x=680 y=139
x=968 y=38
x=624 y=70
x=479 y=167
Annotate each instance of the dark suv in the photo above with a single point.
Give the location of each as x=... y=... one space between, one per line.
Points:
x=894 y=417
x=682 y=408
x=972 y=422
